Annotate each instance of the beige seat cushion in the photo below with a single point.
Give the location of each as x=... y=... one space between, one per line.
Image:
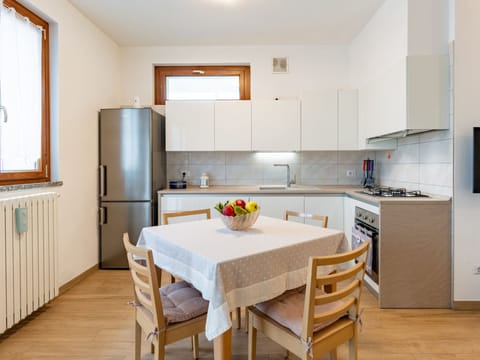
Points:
x=181 y=302
x=287 y=310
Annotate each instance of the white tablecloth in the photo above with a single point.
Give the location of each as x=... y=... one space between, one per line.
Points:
x=239 y=268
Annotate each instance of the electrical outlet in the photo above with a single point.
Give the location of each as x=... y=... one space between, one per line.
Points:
x=186 y=172
x=350 y=173
x=476 y=269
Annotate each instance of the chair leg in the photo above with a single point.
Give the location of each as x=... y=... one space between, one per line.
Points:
x=159 y=352
x=333 y=354
x=195 y=346
x=352 y=348
x=252 y=338
x=138 y=341
x=239 y=317
x=159 y=345
x=247 y=322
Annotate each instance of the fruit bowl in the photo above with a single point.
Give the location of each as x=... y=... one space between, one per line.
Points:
x=241 y=222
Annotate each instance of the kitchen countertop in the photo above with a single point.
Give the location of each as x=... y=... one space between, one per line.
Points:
x=352 y=191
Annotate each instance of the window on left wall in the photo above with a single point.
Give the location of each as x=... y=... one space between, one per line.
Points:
x=24 y=96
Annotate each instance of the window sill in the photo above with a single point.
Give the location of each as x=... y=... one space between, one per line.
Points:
x=6 y=188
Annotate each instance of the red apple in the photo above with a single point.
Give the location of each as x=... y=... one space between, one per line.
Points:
x=240 y=202
x=228 y=210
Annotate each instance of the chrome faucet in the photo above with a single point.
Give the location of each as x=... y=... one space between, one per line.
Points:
x=289 y=181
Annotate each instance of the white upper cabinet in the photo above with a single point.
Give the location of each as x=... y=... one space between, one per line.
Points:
x=190 y=125
x=319 y=121
x=233 y=125
x=347 y=119
x=275 y=125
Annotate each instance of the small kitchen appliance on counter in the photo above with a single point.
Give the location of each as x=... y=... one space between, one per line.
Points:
x=178 y=184
x=368 y=167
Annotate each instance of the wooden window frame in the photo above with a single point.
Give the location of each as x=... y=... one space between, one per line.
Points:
x=43 y=173
x=161 y=73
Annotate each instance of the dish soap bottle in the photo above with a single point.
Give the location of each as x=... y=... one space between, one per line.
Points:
x=204 y=181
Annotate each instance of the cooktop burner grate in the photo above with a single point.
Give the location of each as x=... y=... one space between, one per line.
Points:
x=392 y=192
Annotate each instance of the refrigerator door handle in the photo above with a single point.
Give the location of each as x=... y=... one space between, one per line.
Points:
x=103 y=215
x=103 y=179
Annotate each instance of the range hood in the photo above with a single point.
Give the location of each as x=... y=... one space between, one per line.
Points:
x=410 y=98
x=396 y=135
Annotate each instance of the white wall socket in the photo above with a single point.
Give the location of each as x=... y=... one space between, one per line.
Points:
x=350 y=173
x=476 y=269
x=187 y=173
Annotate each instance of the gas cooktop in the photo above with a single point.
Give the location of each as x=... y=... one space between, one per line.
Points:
x=383 y=191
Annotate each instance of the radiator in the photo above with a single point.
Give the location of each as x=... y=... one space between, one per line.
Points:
x=28 y=255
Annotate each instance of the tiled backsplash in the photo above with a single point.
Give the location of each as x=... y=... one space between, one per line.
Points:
x=422 y=162
x=250 y=168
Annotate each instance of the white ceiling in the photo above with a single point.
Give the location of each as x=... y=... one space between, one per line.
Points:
x=229 y=22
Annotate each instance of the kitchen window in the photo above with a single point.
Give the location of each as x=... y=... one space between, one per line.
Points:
x=201 y=83
x=24 y=96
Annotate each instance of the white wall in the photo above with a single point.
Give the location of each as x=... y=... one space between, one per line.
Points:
x=467 y=115
x=85 y=80
x=311 y=68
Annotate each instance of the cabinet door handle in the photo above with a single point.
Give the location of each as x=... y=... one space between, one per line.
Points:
x=5 y=113
x=103 y=179
x=102 y=216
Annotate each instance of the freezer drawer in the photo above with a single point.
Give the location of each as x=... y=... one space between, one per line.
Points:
x=115 y=219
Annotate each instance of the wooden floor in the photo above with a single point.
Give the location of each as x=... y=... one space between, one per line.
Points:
x=94 y=321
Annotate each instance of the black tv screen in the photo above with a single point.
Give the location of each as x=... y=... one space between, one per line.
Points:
x=476 y=159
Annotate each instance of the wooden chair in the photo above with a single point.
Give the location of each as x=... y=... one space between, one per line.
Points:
x=206 y=212
x=155 y=312
x=167 y=216
x=322 y=218
x=318 y=321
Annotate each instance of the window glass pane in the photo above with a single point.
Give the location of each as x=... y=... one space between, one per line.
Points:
x=203 y=87
x=21 y=93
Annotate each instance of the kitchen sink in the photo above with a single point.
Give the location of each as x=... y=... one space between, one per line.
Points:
x=284 y=187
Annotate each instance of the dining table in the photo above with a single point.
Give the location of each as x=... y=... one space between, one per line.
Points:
x=238 y=268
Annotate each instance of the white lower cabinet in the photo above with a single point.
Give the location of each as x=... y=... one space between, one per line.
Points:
x=329 y=205
x=270 y=205
x=275 y=206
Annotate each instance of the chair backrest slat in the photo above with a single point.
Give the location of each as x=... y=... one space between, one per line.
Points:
x=337 y=295
x=321 y=218
x=167 y=216
x=332 y=314
x=340 y=276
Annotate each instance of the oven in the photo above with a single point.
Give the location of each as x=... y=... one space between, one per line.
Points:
x=366 y=229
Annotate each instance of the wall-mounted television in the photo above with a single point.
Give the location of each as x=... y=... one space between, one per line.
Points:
x=476 y=159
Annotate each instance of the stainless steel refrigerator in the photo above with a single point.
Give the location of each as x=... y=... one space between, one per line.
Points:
x=132 y=167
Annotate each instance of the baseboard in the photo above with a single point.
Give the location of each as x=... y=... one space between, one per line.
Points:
x=466 y=305
x=67 y=286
